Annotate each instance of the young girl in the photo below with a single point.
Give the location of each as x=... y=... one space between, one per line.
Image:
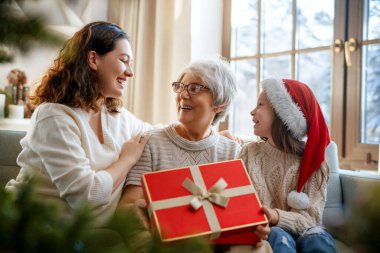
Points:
x=290 y=176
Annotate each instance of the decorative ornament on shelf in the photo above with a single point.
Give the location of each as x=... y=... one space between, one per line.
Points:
x=7 y=102
x=17 y=79
x=20 y=92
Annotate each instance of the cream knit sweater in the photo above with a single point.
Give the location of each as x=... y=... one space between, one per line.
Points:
x=166 y=150
x=274 y=174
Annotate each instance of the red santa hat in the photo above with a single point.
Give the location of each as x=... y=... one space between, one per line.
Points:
x=296 y=105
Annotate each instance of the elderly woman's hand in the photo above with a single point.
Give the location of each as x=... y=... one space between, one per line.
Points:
x=138 y=210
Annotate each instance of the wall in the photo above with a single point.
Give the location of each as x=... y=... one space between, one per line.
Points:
x=206 y=28
x=64 y=16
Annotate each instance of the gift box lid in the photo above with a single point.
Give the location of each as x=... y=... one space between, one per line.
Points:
x=173 y=215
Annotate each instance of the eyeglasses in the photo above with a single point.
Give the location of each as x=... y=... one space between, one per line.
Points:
x=192 y=88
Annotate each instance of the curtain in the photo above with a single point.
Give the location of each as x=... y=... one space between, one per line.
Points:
x=160 y=35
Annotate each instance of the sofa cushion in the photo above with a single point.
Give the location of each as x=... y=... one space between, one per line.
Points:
x=333 y=215
x=10 y=148
x=354 y=184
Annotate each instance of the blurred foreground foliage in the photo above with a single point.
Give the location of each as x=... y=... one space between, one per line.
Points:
x=30 y=224
x=364 y=221
x=21 y=32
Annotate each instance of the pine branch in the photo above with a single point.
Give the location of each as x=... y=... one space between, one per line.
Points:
x=29 y=223
x=22 y=33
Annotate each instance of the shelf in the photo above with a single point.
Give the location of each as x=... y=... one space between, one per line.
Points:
x=15 y=124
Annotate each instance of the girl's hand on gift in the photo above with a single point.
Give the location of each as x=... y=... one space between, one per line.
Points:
x=271 y=214
x=262 y=232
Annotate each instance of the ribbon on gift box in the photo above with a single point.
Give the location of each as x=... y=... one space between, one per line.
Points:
x=217 y=194
x=214 y=194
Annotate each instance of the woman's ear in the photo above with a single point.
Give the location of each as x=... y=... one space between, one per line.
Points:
x=91 y=60
x=220 y=108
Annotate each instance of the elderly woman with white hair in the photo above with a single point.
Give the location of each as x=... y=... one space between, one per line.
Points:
x=204 y=91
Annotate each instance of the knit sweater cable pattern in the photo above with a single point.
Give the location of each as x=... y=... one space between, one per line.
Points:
x=274 y=174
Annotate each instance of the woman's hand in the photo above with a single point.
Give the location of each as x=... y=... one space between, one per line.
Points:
x=129 y=155
x=132 y=149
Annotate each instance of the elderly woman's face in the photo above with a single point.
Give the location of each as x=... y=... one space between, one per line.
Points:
x=195 y=110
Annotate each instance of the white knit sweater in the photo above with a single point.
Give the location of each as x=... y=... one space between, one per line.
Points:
x=166 y=149
x=63 y=153
x=274 y=174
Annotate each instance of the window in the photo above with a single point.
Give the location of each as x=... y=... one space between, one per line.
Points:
x=314 y=42
x=356 y=84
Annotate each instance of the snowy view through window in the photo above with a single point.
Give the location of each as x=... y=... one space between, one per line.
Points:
x=314 y=28
x=273 y=49
x=370 y=127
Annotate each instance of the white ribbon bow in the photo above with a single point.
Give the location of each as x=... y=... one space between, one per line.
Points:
x=214 y=194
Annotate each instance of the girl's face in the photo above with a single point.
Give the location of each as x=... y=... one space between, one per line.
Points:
x=262 y=117
x=195 y=110
x=113 y=68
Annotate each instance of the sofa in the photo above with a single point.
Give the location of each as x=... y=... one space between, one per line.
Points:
x=9 y=150
x=343 y=191
x=343 y=187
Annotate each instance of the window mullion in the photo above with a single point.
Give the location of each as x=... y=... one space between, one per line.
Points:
x=259 y=38
x=294 y=27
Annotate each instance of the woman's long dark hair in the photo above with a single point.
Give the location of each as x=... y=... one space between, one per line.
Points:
x=70 y=81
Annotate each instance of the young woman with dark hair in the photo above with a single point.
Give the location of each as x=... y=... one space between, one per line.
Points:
x=82 y=142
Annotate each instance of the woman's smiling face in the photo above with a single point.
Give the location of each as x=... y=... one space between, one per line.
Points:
x=195 y=110
x=114 y=68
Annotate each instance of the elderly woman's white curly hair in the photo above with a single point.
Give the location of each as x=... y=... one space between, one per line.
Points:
x=218 y=76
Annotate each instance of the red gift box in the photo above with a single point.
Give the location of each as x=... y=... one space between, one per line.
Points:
x=215 y=199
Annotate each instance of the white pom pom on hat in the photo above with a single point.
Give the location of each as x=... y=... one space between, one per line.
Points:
x=298 y=200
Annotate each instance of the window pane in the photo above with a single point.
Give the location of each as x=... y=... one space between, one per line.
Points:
x=370 y=113
x=244 y=28
x=276 y=26
x=241 y=121
x=371 y=20
x=315 y=23
x=278 y=67
x=314 y=69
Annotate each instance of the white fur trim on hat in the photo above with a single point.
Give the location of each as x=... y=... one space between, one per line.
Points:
x=298 y=200
x=288 y=111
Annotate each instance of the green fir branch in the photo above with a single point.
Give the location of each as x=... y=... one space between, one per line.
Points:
x=22 y=33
